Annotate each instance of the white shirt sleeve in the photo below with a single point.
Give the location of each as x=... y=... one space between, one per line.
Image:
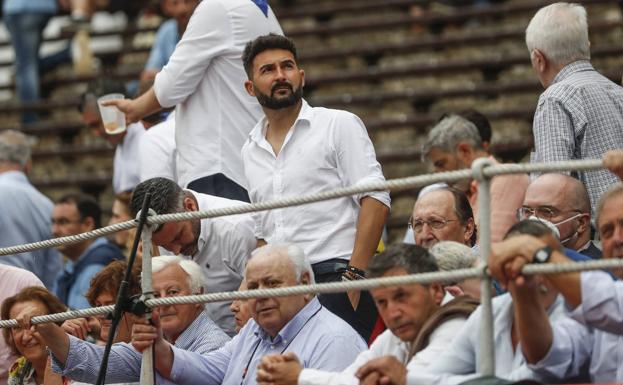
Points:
x=356 y=158
x=602 y=302
x=207 y=36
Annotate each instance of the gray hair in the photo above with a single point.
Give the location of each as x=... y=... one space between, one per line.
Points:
x=560 y=32
x=191 y=268
x=15 y=147
x=453 y=256
x=614 y=191
x=295 y=254
x=449 y=132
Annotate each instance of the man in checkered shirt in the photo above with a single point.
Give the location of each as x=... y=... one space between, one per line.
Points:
x=580 y=114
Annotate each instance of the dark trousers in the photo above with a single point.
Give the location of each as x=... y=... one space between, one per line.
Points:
x=220 y=186
x=364 y=318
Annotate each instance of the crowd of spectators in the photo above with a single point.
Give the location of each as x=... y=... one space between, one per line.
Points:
x=242 y=132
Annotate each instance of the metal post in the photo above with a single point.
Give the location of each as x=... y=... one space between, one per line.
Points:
x=147 y=364
x=487 y=348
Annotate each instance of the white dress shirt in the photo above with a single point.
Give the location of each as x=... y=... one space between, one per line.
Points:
x=126 y=163
x=224 y=246
x=324 y=149
x=594 y=334
x=387 y=344
x=157 y=152
x=461 y=361
x=205 y=79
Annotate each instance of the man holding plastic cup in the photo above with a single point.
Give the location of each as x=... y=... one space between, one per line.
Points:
x=110 y=123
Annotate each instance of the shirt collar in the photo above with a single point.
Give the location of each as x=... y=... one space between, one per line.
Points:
x=294 y=326
x=185 y=340
x=258 y=134
x=571 y=68
x=17 y=176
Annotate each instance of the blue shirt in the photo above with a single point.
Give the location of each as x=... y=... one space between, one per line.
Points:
x=29 y=6
x=167 y=38
x=25 y=217
x=124 y=365
x=319 y=338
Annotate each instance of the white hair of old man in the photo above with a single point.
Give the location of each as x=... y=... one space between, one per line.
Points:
x=560 y=32
x=449 y=132
x=452 y=255
x=295 y=254
x=191 y=268
x=15 y=147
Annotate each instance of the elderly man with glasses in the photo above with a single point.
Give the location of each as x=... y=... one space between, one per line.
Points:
x=562 y=201
x=443 y=214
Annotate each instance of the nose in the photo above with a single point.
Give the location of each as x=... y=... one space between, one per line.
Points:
x=235 y=306
x=174 y=248
x=618 y=235
x=393 y=311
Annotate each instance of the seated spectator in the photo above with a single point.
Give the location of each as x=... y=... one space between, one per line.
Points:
x=12 y=280
x=221 y=246
x=169 y=34
x=460 y=361
x=26 y=212
x=563 y=201
x=421 y=321
x=296 y=324
x=453 y=144
x=443 y=214
x=74 y=214
x=188 y=327
x=126 y=160
x=452 y=255
x=103 y=292
x=33 y=366
x=593 y=334
x=241 y=310
x=121 y=213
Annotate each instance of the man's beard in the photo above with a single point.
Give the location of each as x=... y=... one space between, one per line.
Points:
x=273 y=103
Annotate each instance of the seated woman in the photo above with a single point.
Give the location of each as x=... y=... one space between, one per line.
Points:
x=32 y=367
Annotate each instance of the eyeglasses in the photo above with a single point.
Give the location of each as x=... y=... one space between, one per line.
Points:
x=63 y=221
x=417 y=224
x=543 y=212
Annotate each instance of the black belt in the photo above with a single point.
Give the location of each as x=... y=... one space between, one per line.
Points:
x=331 y=266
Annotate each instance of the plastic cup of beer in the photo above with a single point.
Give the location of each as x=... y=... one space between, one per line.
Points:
x=112 y=118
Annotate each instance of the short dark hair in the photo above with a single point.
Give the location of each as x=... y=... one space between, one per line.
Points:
x=265 y=43
x=463 y=210
x=99 y=87
x=86 y=205
x=528 y=227
x=109 y=280
x=30 y=293
x=414 y=259
x=167 y=197
x=480 y=121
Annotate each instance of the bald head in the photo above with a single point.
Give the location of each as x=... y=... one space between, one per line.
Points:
x=562 y=200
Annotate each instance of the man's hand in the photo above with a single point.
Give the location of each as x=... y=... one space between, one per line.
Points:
x=78 y=327
x=279 y=370
x=613 y=161
x=128 y=107
x=389 y=370
x=508 y=258
x=145 y=334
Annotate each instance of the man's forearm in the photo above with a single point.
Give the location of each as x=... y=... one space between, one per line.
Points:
x=163 y=358
x=372 y=217
x=56 y=339
x=568 y=284
x=533 y=327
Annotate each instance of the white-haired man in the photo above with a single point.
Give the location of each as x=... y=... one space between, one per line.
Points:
x=188 y=327
x=454 y=144
x=298 y=324
x=579 y=114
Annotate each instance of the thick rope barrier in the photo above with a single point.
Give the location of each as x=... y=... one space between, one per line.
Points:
x=332 y=287
x=391 y=185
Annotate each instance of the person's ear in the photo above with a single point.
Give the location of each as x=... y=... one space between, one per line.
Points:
x=584 y=223
x=190 y=204
x=248 y=86
x=464 y=151
x=470 y=226
x=437 y=292
x=88 y=223
x=302 y=78
x=539 y=61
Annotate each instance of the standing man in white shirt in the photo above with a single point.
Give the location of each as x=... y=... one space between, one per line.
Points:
x=297 y=149
x=221 y=246
x=204 y=78
x=421 y=321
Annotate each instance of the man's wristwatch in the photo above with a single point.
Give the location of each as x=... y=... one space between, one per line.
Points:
x=542 y=255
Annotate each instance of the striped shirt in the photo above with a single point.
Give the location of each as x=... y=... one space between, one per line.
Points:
x=124 y=364
x=580 y=116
